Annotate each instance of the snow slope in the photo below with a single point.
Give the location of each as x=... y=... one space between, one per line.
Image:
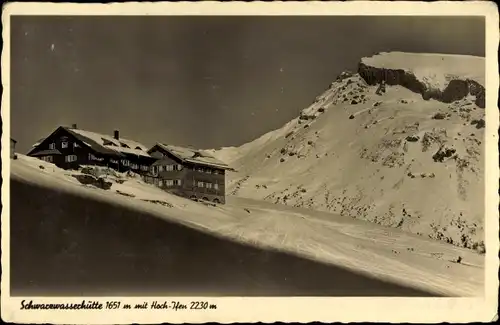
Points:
x=394 y=159
x=380 y=252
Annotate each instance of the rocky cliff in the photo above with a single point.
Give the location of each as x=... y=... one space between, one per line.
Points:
x=454 y=87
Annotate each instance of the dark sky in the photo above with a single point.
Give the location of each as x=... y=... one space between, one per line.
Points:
x=201 y=81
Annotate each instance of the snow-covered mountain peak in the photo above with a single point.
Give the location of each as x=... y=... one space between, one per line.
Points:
x=409 y=157
x=443 y=77
x=435 y=69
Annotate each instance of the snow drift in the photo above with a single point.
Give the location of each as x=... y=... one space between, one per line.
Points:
x=410 y=158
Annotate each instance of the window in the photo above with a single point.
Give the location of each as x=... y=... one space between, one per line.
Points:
x=125 y=162
x=107 y=142
x=113 y=161
x=177 y=182
x=92 y=157
x=64 y=144
x=169 y=182
x=208 y=170
x=154 y=169
x=76 y=145
x=52 y=146
x=170 y=168
x=200 y=184
x=71 y=158
x=134 y=166
x=47 y=158
x=160 y=168
x=145 y=168
x=160 y=183
x=216 y=186
x=208 y=185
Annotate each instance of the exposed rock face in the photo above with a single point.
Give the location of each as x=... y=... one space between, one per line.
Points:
x=374 y=76
x=457 y=89
x=477 y=90
x=98 y=182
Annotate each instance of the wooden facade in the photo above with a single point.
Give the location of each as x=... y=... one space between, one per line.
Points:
x=68 y=149
x=187 y=177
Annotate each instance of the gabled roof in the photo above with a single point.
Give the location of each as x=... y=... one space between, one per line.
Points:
x=198 y=157
x=105 y=144
x=122 y=146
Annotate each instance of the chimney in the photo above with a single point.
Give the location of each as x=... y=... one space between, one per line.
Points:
x=73 y=126
x=117 y=135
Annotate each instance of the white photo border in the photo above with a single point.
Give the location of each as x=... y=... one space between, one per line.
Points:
x=243 y=309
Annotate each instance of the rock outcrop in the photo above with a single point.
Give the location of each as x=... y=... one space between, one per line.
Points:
x=456 y=89
x=98 y=182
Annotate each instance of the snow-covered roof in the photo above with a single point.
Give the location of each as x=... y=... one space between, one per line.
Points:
x=200 y=157
x=38 y=142
x=124 y=146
